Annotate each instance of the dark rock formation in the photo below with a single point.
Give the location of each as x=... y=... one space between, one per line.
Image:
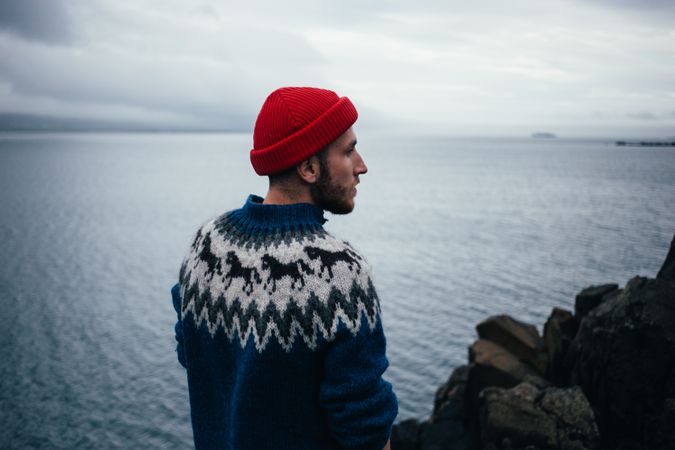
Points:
x=449 y=401
x=667 y=271
x=623 y=357
x=521 y=339
x=406 y=435
x=613 y=362
x=446 y=427
x=559 y=331
x=527 y=417
x=446 y=435
x=591 y=297
x=494 y=365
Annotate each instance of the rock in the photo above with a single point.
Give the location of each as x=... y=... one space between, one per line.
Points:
x=623 y=357
x=668 y=268
x=493 y=365
x=449 y=401
x=405 y=435
x=445 y=435
x=669 y=412
x=574 y=417
x=660 y=432
x=511 y=415
x=559 y=331
x=521 y=339
x=445 y=429
x=453 y=407
x=527 y=417
x=590 y=298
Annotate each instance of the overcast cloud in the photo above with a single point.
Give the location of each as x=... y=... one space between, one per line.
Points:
x=573 y=67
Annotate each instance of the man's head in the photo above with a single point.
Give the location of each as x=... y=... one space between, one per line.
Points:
x=304 y=141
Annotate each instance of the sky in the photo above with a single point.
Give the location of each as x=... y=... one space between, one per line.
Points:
x=574 y=68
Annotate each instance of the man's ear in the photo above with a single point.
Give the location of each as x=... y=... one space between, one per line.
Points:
x=309 y=169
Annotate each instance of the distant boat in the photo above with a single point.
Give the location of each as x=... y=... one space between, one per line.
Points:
x=544 y=135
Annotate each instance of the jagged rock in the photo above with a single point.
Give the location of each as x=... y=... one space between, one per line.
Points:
x=445 y=429
x=660 y=430
x=526 y=417
x=405 y=435
x=668 y=268
x=512 y=415
x=590 y=298
x=444 y=435
x=574 y=417
x=519 y=338
x=623 y=357
x=493 y=365
x=453 y=408
x=559 y=331
x=449 y=401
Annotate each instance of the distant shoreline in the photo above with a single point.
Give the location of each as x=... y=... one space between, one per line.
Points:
x=645 y=143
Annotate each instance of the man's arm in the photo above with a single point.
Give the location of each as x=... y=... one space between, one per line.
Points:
x=175 y=296
x=360 y=406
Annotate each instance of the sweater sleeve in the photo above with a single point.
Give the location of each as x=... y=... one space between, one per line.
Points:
x=360 y=405
x=175 y=295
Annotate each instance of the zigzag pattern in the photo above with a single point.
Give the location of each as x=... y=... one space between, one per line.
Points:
x=302 y=285
x=307 y=322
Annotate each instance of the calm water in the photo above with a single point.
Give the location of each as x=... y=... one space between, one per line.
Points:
x=93 y=229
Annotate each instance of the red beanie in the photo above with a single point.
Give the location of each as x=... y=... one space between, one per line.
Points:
x=295 y=123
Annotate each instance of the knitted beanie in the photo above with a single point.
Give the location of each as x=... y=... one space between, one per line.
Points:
x=295 y=123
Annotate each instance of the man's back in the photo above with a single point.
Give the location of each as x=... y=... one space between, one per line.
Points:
x=279 y=329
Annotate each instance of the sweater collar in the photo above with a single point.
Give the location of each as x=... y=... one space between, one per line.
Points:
x=297 y=216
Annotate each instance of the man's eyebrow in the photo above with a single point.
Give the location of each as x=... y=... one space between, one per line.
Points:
x=352 y=143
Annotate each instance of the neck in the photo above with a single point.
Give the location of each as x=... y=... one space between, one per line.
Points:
x=281 y=195
x=258 y=218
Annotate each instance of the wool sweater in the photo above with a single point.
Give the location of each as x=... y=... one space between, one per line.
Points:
x=279 y=329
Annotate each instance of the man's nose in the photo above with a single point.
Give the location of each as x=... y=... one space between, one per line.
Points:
x=360 y=167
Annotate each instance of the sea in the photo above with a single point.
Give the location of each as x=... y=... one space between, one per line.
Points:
x=94 y=226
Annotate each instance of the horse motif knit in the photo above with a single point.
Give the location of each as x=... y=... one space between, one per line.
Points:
x=279 y=329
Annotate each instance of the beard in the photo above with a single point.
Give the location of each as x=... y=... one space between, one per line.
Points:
x=330 y=196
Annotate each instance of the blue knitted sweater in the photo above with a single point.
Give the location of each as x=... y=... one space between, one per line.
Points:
x=279 y=329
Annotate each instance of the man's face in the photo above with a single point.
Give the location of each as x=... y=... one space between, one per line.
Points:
x=335 y=188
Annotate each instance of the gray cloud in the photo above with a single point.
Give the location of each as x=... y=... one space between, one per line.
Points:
x=203 y=71
x=43 y=21
x=642 y=5
x=643 y=116
x=661 y=12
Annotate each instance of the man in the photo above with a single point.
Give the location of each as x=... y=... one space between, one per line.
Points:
x=278 y=321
